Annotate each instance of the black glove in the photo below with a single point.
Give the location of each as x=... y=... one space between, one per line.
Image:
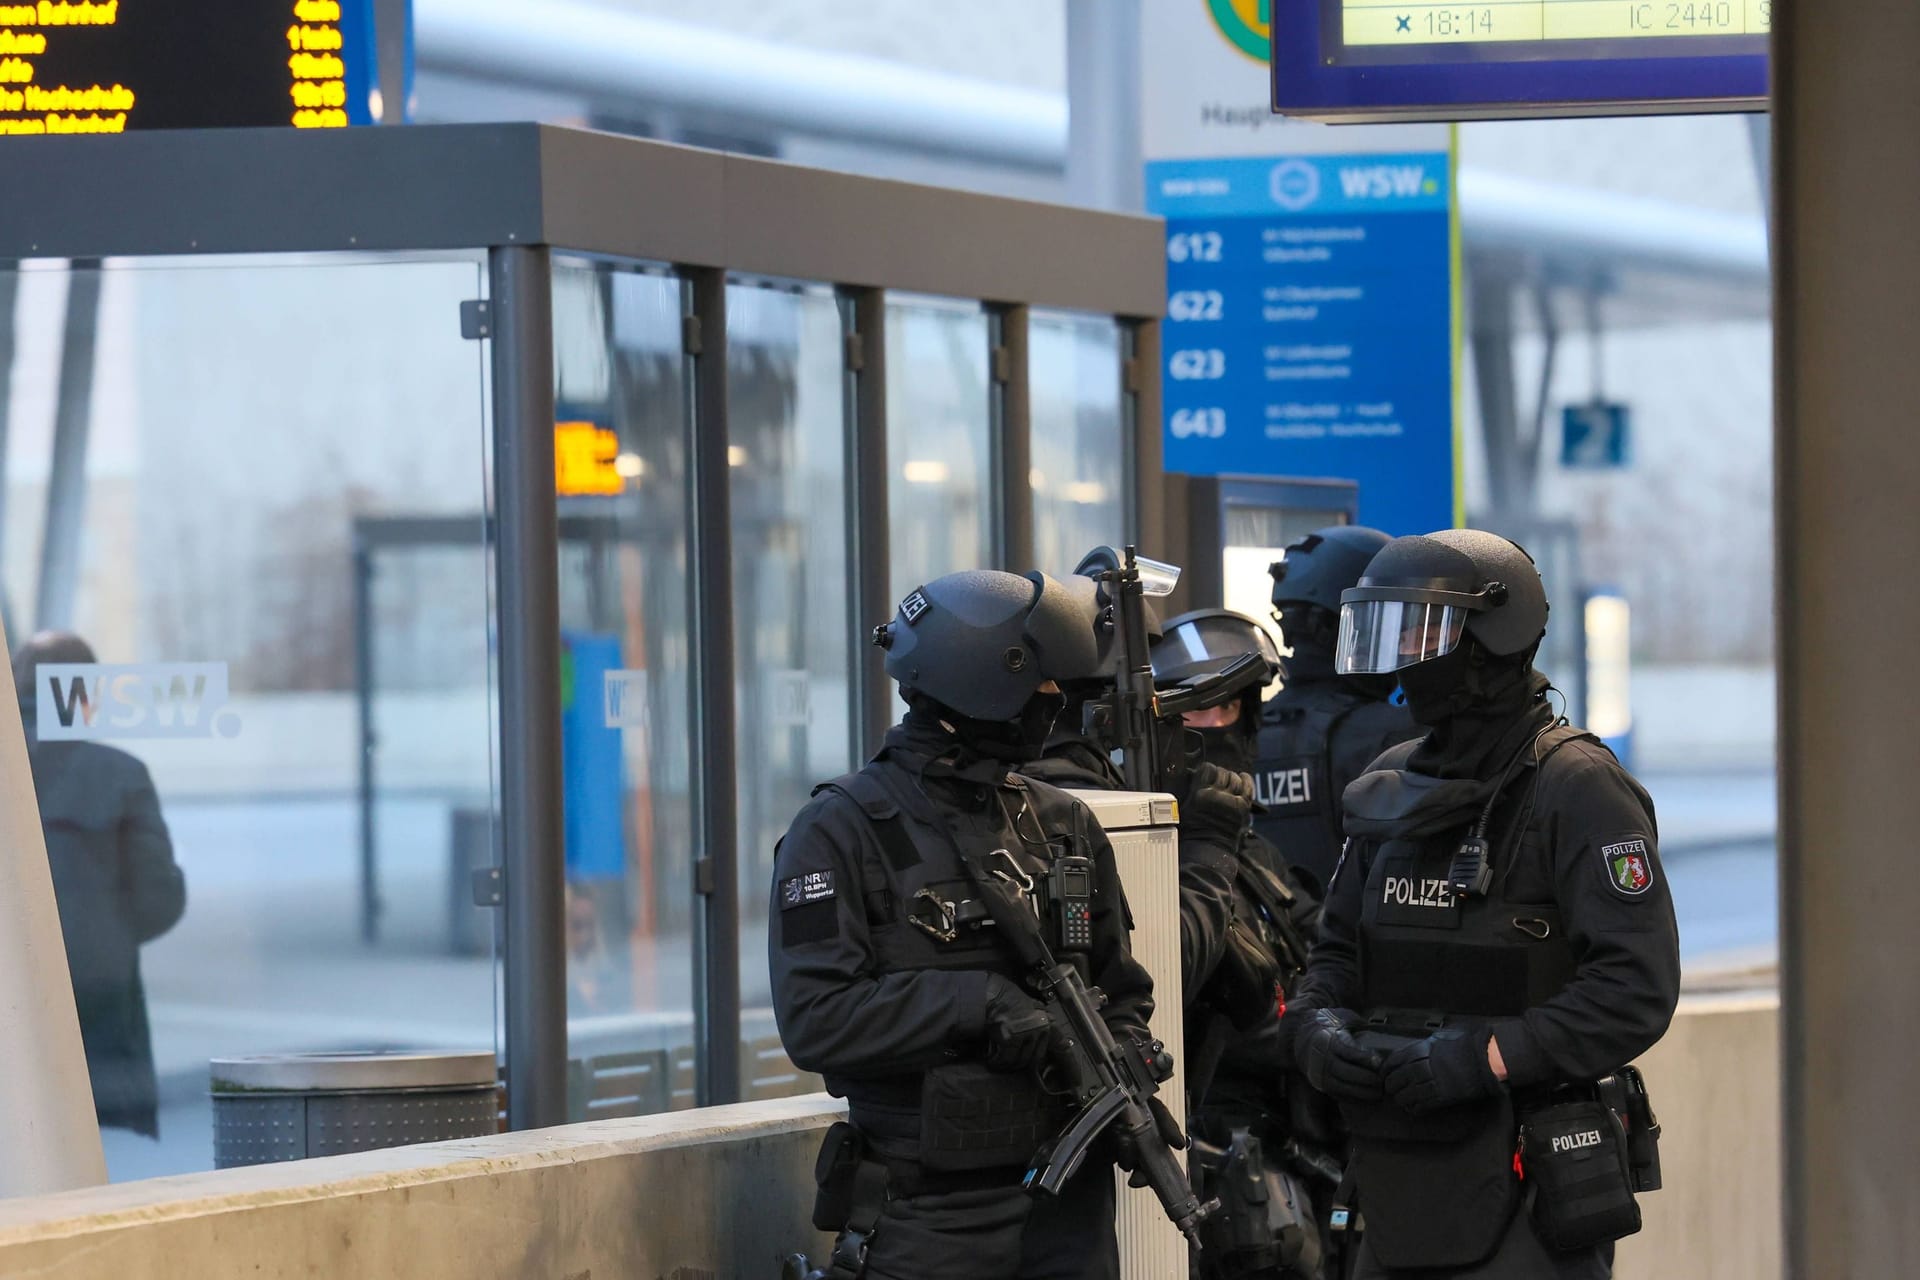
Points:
x=1217 y=804
x=1333 y=1061
x=1019 y=1029
x=1127 y=1156
x=1446 y=1069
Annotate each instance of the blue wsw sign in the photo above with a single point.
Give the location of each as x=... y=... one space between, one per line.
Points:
x=1310 y=324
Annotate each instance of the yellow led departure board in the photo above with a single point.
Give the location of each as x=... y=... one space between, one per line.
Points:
x=1402 y=22
x=106 y=66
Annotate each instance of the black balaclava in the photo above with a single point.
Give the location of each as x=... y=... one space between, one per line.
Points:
x=1076 y=696
x=1013 y=741
x=1480 y=709
x=1311 y=634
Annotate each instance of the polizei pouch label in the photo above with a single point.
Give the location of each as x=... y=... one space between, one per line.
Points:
x=1574 y=1155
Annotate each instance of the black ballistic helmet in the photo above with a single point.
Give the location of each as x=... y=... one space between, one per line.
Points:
x=1206 y=641
x=1421 y=594
x=983 y=642
x=1316 y=569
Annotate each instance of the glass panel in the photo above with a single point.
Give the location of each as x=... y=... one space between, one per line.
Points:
x=626 y=726
x=1079 y=442
x=785 y=402
x=272 y=482
x=1669 y=528
x=938 y=509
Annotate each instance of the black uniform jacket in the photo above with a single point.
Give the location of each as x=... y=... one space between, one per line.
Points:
x=865 y=996
x=1075 y=763
x=1574 y=835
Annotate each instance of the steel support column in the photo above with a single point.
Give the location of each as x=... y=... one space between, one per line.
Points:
x=1846 y=467
x=1147 y=518
x=363 y=630
x=864 y=321
x=9 y=296
x=1103 y=104
x=527 y=568
x=710 y=606
x=393 y=47
x=1012 y=439
x=67 y=482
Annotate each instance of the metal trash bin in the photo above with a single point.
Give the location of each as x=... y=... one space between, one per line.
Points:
x=275 y=1107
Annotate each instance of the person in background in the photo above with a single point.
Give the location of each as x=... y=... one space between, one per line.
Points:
x=1322 y=729
x=1264 y=1147
x=116 y=883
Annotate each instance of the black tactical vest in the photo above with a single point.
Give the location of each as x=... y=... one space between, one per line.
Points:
x=1439 y=1190
x=915 y=877
x=916 y=887
x=1424 y=949
x=1293 y=779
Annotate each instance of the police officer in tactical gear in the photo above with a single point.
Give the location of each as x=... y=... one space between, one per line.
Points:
x=1498 y=938
x=1322 y=729
x=1265 y=1153
x=920 y=1022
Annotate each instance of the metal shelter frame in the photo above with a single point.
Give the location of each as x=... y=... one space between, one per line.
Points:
x=522 y=192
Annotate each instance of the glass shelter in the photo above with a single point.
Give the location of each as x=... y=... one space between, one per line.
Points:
x=476 y=531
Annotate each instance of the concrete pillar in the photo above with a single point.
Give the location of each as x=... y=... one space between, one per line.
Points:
x=1847 y=312
x=47 y=1129
x=1103 y=104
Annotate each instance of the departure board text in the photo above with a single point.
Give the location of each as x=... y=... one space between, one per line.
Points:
x=1402 y=22
x=107 y=66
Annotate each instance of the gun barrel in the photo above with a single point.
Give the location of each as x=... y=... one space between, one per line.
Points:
x=1164 y=1174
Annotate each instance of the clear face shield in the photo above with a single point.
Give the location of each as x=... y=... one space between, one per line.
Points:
x=1212 y=642
x=1378 y=637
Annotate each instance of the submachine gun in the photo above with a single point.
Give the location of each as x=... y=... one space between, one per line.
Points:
x=1113 y=1083
x=1135 y=719
x=1126 y=719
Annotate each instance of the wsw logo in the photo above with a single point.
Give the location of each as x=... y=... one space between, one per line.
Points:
x=75 y=701
x=1387 y=182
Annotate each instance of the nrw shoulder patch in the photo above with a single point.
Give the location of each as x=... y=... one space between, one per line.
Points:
x=1629 y=867
x=815 y=886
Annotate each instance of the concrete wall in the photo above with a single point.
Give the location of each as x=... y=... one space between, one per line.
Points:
x=694 y=1196
x=1715 y=1083
x=720 y=1193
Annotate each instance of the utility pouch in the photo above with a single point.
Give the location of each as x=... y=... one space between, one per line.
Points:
x=1438 y=1190
x=1625 y=1093
x=972 y=1118
x=1574 y=1156
x=1265 y=1224
x=1243 y=985
x=833 y=1174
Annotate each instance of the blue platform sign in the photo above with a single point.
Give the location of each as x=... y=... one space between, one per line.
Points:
x=1310 y=324
x=1595 y=436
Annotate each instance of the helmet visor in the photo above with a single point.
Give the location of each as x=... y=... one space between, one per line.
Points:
x=1208 y=643
x=1379 y=636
